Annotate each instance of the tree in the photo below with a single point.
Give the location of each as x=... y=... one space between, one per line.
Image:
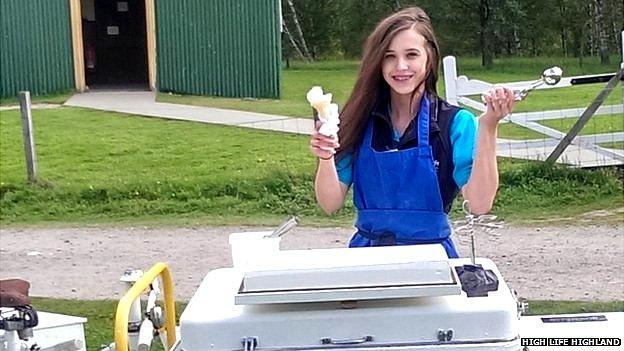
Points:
x=318 y=22
x=300 y=45
x=293 y=45
x=485 y=33
x=600 y=27
x=490 y=28
x=357 y=19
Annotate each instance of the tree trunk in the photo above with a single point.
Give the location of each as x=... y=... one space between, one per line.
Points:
x=299 y=31
x=564 y=32
x=487 y=57
x=293 y=43
x=603 y=35
x=592 y=27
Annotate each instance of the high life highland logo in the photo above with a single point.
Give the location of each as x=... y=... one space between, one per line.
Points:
x=581 y=342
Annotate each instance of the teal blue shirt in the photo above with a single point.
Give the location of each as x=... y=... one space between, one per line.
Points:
x=463 y=136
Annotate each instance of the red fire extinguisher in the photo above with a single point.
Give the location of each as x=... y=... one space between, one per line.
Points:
x=90 y=58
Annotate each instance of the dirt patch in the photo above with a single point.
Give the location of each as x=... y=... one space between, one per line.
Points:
x=557 y=263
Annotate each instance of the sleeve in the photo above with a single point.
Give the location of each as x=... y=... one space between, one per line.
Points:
x=463 y=141
x=344 y=167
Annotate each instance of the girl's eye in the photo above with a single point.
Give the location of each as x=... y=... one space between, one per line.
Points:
x=412 y=54
x=389 y=56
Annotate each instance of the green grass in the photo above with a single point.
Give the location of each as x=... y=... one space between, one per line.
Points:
x=338 y=78
x=516 y=132
x=99 y=329
x=110 y=168
x=542 y=307
x=563 y=98
x=535 y=193
x=57 y=98
x=596 y=125
x=578 y=96
x=107 y=148
x=527 y=68
x=614 y=145
x=100 y=314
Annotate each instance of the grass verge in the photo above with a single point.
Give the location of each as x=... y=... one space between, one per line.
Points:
x=100 y=314
x=57 y=98
x=101 y=167
x=596 y=125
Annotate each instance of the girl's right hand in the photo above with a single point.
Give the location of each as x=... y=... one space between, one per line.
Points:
x=322 y=146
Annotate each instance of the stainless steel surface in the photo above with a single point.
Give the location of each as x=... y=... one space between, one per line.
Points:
x=353 y=294
x=289 y=224
x=288 y=288
x=361 y=276
x=473 y=253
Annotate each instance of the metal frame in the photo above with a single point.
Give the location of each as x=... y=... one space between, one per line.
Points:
x=123 y=308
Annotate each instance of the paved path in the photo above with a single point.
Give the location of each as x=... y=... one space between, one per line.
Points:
x=144 y=103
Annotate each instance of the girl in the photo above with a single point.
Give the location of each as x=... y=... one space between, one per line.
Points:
x=406 y=152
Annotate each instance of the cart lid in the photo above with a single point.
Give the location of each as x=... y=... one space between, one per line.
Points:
x=350 y=274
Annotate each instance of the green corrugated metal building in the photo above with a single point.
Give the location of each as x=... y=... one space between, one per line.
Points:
x=35 y=47
x=228 y=48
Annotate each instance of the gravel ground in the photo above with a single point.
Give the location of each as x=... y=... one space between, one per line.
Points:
x=558 y=263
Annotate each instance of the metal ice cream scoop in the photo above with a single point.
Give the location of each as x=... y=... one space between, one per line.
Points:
x=550 y=76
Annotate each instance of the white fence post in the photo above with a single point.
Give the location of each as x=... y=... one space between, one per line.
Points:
x=622 y=64
x=29 y=141
x=450 y=79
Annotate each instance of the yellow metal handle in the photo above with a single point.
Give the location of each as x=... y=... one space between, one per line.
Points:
x=123 y=308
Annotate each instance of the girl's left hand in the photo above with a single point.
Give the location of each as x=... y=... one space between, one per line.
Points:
x=499 y=103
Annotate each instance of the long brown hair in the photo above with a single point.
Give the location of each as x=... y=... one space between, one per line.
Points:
x=370 y=85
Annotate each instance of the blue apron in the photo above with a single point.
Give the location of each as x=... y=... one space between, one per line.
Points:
x=397 y=194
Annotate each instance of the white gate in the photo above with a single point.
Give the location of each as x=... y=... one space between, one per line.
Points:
x=582 y=151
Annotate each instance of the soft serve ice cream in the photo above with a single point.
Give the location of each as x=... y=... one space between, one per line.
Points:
x=327 y=111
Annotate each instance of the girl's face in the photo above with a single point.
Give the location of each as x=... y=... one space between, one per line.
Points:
x=404 y=66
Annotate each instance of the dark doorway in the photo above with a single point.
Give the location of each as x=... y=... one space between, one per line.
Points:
x=115 y=44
